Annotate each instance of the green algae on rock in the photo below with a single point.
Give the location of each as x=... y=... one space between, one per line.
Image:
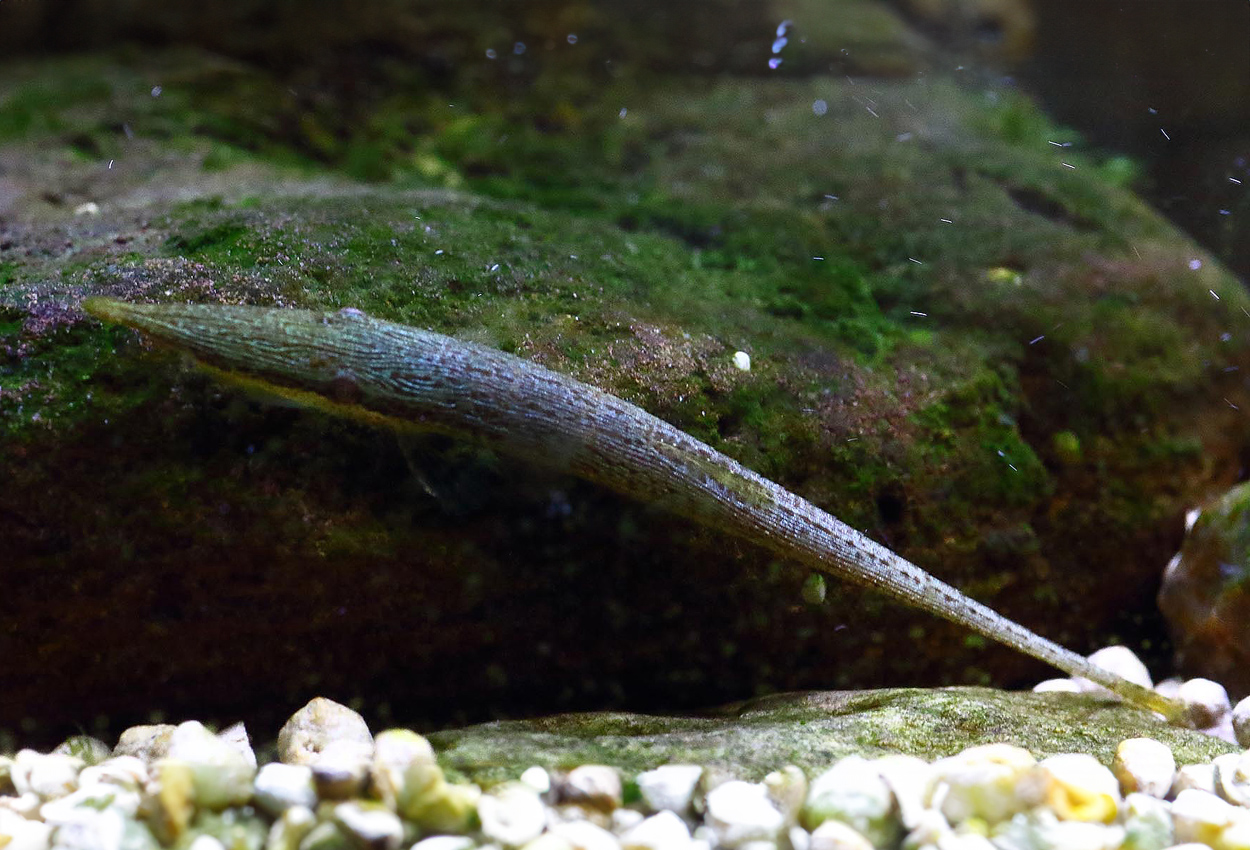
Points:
x=811 y=731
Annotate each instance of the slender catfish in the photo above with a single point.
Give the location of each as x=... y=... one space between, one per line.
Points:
x=404 y=378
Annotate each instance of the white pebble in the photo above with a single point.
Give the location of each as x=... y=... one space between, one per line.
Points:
x=739 y=812
x=206 y=842
x=980 y=782
x=1119 y=660
x=593 y=785
x=835 y=835
x=908 y=777
x=50 y=776
x=512 y=814
x=1144 y=765
x=669 y=788
x=316 y=726
x=222 y=775
x=787 y=788
x=290 y=828
x=1206 y=702
x=663 y=831
x=742 y=361
x=584 y=835
x=23 y=834
x=395 y=751
x=854 y=792
x=445 y=842
x=1077 y=787
x=1231 y=777
x=1147 y=822
x=623 y=820
x=537 y=778
x=147 y=743
x=1057 y=686
x=369 y=825
x=279 y=786
x=341 y=769
x=1200 y=817
x=236 y=736
x=1241 y=723
x=85 y=828
x=127 y=772
x=1199 y=777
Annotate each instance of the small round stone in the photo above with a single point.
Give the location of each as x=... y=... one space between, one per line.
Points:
x=147 y=743
x=739 y=812
x=1057 y=686
x=512 y=814
x=584 y=835
x=1079 y=788
x=221 y=773
x=445 y=842
x=1119 y=660
x=1200 y=817
x=395 y=752
x=1231 y=776
x=316 y=726
x=835 y=835
x=369 y=825
x=1206 y=702
x=537 y=778
x=663 y=831
x=279 y=786
x=981 y=782
x=854 y=792
x=669 y=788
x=50 y=776
x=1144 y=765
x=1198 y=777
x=1241 y=723
x=594 y=786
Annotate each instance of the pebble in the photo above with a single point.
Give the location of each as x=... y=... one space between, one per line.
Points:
x=512 y=814
x=1077 y=787
x=835 y=835
x=1206 y=702
x=1241 y=723
x=981 y=782
x=1144 y=765
x=369 y=825
x=395 y=753
x=592 y=785
x=1200 y=777
x=853 y=792
x=48 y=776
x=584 y=835
x=220 y=772
x=445 y=842
x=341 y=769
x=280 y=786
x=146 y=743
x=669 y=788
x=1230 y=775
x=316 y=726
x=663 y=831
x=537 y=778
x=1119 y=660
x=739 y=812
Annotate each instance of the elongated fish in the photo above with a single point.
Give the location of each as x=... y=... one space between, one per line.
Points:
x=405 y=378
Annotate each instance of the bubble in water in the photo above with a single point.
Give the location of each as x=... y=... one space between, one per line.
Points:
x=774 y=63
x=572 y=38
x=518 y=48
x=819 y=107
x=490 y=53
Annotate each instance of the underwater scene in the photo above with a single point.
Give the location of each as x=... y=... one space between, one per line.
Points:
x=571 y=424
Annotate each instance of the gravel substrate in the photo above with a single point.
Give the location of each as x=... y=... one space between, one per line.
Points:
x=336 y=786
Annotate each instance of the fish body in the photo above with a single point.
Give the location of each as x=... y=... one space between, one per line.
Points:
x=405 y=378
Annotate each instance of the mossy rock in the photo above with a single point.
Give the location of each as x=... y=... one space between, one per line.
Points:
x=928 y=297
x=812 y=731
